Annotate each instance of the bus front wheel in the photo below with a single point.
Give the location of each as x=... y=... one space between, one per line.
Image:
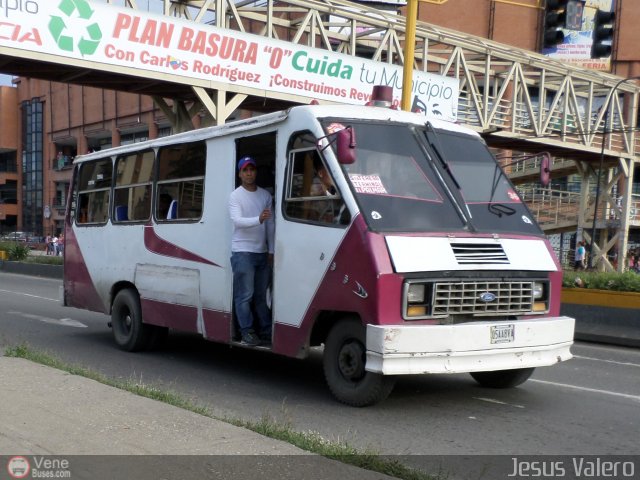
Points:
x=129 y=332
x=344 y=360
x=503 y=378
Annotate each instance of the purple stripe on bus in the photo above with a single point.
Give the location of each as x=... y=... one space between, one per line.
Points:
x=160 y=246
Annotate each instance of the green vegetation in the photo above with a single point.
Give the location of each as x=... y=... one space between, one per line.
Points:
x=309 y=441
x=20 y=252
x=45 y=259
x=15 y=250
x=618 y=282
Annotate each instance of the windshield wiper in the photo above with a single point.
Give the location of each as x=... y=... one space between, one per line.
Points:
x=500 y=209
x=443 y=162
x=457 y=200
x=445 y=166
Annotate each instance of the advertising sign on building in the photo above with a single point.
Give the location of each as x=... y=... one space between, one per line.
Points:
x=576 y=47
x=106 y=35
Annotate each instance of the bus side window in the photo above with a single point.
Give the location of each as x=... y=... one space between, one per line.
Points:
x=180 y=182
x=132 y=190
x=311 y=194
x=94 y=191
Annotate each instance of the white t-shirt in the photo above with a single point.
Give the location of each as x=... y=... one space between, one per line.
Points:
x=249 y=235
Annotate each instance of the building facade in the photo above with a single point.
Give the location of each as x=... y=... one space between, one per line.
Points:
x=9 y=119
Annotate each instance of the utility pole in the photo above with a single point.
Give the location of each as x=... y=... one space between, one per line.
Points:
x=409 y=54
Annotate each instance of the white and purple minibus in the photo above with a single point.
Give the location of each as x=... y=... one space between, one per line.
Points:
x=423 y=261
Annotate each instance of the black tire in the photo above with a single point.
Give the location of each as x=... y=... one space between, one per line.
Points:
x=503 y=378
x=129 y=332
x=344 y=360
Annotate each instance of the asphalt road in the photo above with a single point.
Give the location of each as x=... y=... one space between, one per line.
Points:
x=589 y=405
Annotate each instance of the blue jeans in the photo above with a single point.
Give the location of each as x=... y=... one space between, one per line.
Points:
x=251 y=277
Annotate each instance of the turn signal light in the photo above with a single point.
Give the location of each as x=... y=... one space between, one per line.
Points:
x=416 y=311
x=539 y=306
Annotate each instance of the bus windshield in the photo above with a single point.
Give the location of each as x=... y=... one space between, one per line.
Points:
x=420 y=179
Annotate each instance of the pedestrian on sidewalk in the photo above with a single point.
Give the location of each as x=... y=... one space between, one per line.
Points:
x=48 y=244
x=61 y=244
x=580 y=256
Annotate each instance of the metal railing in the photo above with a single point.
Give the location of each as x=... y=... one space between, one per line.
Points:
x=552 y=208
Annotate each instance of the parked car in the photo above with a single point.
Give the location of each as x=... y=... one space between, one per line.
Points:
x=18 y=236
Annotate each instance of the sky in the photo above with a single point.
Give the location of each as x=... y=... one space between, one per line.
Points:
x=5 y=79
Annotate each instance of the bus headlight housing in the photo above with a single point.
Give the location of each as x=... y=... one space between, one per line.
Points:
x=540 y=297
x=416 y=301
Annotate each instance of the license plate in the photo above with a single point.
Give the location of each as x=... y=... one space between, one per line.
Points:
x=503 y=333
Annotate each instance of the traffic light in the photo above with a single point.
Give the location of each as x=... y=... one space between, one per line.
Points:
x=554 y=19
x=558 y=15
x=602 y=36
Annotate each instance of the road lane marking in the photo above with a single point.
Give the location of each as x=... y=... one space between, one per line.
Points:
x=66 y=322
x=499 y=402
x=29 y=295
x=627 y=364
x=593 y=390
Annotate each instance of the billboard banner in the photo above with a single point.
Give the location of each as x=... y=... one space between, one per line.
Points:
x=109 y=35
x=576 y=47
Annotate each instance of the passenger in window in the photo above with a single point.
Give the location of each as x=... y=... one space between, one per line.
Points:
x=252 y=244
x=332 y=209
x=322 y=183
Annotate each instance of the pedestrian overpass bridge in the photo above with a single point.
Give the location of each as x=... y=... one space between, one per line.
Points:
x=516 y=99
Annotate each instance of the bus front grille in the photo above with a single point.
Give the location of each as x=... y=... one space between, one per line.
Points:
x=482 y=298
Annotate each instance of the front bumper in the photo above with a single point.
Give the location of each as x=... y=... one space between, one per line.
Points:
x=467 y=347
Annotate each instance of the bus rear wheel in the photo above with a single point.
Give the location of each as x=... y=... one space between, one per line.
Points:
x=503 y=378
x=129 y=332
x=344 y=360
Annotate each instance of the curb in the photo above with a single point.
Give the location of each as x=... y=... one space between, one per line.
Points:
x=609 y=325
x=33 y=269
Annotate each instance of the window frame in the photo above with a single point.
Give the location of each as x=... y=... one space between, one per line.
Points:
x=88 y=191
x=311 y=201
x=132 y=186
x=178 y=185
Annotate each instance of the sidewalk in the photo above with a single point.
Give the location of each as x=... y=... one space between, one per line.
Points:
x=45 y=411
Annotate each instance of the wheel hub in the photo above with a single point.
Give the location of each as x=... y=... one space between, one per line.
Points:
x=127 y=322
x=351 y=361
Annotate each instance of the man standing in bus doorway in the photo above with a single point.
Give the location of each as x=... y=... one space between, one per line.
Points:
x=252 y=244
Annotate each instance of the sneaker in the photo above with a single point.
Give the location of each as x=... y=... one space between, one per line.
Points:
x=250 y=339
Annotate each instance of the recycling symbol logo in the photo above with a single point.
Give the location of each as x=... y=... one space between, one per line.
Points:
x=66 y=36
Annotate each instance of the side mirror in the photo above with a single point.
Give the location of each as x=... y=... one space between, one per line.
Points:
x=545 y=169
x=346 y=146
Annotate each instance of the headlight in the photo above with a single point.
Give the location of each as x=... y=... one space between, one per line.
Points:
x=415 y=300
x=538 y=290
x=415 y=293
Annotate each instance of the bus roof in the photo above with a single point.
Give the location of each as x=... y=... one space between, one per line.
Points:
x=315 y=111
